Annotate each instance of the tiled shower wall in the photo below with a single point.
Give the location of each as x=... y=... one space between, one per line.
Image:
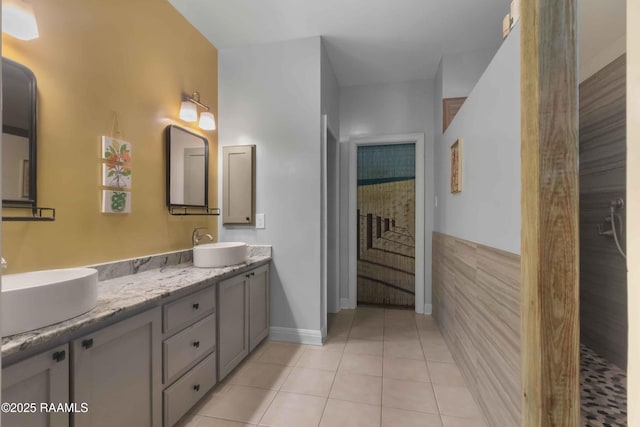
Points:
x=603 y=274
x=476 y=302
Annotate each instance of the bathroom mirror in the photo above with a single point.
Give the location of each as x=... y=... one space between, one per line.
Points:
x=187 y=157
x=19 y=97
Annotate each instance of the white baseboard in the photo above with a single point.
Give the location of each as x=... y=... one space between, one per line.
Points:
x=345 y=304
x=297 y=336
x=428 y=309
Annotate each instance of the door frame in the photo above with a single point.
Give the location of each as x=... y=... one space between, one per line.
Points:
x=408 y=138
x=327 y=258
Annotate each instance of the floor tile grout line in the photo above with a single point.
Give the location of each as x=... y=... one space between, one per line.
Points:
x=276 y=394
x=324 y=410
x=433 y=388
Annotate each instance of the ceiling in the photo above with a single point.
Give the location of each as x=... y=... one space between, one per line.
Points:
x=368 y=41
x=600 y=24
x=379 y=41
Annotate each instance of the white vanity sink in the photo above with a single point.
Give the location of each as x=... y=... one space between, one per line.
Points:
x=40 y=298
x=220 y=254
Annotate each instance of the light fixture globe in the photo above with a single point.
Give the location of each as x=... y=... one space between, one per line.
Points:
x=18 y=20
x=188 y=112
x=207 y=121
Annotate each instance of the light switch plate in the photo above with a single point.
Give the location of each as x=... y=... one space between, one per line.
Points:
x=259 y=220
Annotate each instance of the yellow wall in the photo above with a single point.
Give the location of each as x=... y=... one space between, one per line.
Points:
x=633 y=206
x=94 y=57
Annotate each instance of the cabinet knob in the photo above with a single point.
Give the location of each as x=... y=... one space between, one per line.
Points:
x=196 y=387
x=196 y=344
x=248 y=219
x=196 y=306
x=59 y=356
x=253 y=273
x=87 y=344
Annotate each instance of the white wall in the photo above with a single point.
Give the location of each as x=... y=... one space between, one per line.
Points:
x=461 y=71
x=633 y=210
x=394 y=108
x=269 y=95
x=437 y=104
x=330 y=93
x=589 y=66
x=487 y=210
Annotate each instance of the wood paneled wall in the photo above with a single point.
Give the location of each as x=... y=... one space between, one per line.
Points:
x=603 y=275
x=476 y=302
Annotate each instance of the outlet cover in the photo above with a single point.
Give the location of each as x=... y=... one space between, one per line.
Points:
x=259 y=220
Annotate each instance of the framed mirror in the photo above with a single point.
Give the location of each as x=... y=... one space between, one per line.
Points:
x=187 y=159
x=19 y=97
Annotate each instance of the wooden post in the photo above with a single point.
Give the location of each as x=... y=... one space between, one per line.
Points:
x=550 y=250
x=369 y=231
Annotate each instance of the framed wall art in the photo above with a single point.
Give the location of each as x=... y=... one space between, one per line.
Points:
x=456 y=166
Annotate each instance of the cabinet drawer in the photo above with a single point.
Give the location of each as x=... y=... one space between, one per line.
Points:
x=183 y=349
x=186 y=392
x=185 y=310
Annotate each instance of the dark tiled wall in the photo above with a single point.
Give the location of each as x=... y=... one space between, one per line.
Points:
x=603 y=276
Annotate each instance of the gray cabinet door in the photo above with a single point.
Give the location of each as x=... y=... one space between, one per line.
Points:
x=233 y=323
x=238 y=184
x=258 y=306
x=42 y=378
x=117 y=372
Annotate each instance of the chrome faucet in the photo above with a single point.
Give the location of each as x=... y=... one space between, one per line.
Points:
x=195 y=237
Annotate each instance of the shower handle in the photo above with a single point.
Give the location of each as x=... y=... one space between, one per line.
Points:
x=610 y=220
x=617 y=203
x=606 y=233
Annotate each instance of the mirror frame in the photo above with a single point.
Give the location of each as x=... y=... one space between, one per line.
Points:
x=32 y=136
x=168 y=168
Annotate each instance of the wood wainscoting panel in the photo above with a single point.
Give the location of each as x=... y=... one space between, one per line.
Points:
x=476 y=303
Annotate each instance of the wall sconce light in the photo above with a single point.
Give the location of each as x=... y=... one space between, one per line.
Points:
x=189 y=112
x=207 y=121
x=18 y=20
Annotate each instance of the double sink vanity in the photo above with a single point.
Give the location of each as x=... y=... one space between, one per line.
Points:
x=161 y=334
x=132 y=343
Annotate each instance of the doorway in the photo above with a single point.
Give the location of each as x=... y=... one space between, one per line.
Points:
x=603 y=272
x=399 y=238
x=386 y=225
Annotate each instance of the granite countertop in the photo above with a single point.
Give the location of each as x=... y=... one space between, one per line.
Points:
x=129 y=293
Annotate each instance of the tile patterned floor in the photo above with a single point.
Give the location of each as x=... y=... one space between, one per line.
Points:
x=378 y=368
x=603 y=391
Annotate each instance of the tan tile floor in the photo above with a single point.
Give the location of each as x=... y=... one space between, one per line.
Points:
x=378 y=368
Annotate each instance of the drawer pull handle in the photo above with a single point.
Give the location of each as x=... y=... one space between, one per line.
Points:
x=253 y=273
x=196 y=306
x=196 y=344
x=87 y=344
x=247 y=275
x=59 y=356
x=196 y=387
